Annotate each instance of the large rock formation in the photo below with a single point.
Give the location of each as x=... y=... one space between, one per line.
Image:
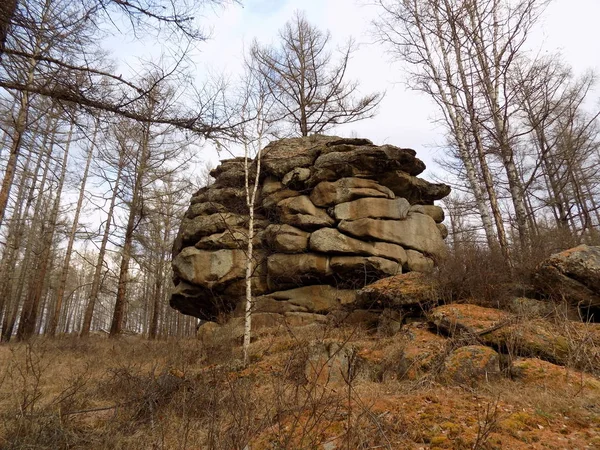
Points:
x=332 y=216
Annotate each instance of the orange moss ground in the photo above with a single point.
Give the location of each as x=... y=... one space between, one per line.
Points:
x=196 y=395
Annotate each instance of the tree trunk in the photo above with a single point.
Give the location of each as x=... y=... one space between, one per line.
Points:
x=468 y=92
x=450 y=102
x=9 y=290
x=160 y=276
x=120 y=303
x=15 y=149
x=30 y=307
x=15 y=232
x=251 y=191
x=490 y=76
x=60 y=292
x=96 y=281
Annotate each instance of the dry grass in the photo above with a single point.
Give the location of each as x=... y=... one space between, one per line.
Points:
x=314 y=387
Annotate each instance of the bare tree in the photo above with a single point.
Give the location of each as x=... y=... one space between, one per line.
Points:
x=156 y=153
x=415 y=32
x=100 y=261
x=310 y=90
x=70 y=70
x=462 y=53
x=30 y=310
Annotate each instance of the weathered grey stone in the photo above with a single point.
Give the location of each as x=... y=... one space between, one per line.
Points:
x=209 y=269
x=295 y=270
x=368 y=268
x=343 y=190
x=271 y=185
x=330 y=362
x=200 y=302
x=330 y=240
x=269 y=320
x=231 y=172
x=345 y=144
x=233 y=238
x=207 y=331
x=279 y=157
x=417 y=232
x=258 y=282
x=296 y=178
x=233 y=198
x=540 y=338
x=417 y=262
x=354 y=318
x=300 y=212
x=270 y=201
x=307 y=185
x=194 y=229
x=530 y=308
x=573 y=274
x=204 y=209
x=365 y=161
x=286 y=238
x=472 y=363
x=443 y=230
x=400 y=291
x=412 y=188
x=433 y=211
x=313 y=299
x=301 y=319
x=376 y=208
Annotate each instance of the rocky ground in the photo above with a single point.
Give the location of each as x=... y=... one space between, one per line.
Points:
x=462 y=376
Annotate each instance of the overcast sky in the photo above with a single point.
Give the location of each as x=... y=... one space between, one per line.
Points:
x=405 y=118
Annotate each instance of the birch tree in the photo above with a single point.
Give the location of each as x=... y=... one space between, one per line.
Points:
x=462 y=53
x=256 y=108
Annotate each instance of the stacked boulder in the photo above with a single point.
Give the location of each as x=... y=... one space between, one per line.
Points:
x=331 y=216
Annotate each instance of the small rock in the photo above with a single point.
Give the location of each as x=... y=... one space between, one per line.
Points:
x=347 y=189
x=399 y=291
x=375 y=208
x=418 y=232
x=472 y=363
x=435 y=212
x=573 y=275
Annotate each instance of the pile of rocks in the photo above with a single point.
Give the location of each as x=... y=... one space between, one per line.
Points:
x=332 y=215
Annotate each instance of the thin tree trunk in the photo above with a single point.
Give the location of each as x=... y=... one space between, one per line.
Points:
x=96 y=281
x=120 y=303
x=476 y=132
x=13 y=238
x=490 y=77
x=15 y=149
x=30 y=307
x=158 y=287
x=12 y=308
x=250 y=202
x=60 y=293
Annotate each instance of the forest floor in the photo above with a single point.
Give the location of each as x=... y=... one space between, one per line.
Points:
x=314 y=387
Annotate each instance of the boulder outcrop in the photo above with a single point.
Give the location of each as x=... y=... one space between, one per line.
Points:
x=572 y=275
x=332 y=215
